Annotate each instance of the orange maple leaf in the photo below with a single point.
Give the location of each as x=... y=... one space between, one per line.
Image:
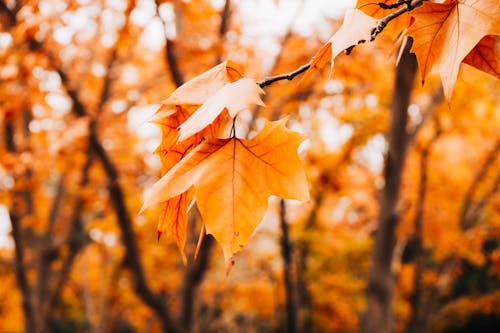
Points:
x=233 y=179
x=445 y=33
x=485 y=56
x=357 y=26
x=172 y=113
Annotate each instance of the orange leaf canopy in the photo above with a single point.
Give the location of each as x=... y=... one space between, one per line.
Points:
x=444 y=34
x=233 y=179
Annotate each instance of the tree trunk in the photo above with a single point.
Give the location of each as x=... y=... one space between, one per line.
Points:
x=286 y=253
x=380 y=289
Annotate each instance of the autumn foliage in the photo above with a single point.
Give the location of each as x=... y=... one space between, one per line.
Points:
x=344 y=158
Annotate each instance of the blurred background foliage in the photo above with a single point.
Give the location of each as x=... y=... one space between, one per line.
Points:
x=79 y=81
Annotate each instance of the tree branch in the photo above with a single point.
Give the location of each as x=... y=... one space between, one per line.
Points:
x=382 y=23
x=170 y=54
x=15 y=220
x=416 y=302
x=154 y=301
x=287 y=76
x=466 y=217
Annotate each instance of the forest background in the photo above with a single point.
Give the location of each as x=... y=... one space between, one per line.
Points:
x=79 y=82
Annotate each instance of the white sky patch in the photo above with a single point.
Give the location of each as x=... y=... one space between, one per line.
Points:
x=59 y=103
x=130 y=74
x=167 y=14
x=153 y=37
x=63 y=35
x=332 y=132
x=415 y=114
x=139 y=122
x=5 y=229
x=143 y=12
x=5 y=40
x=118 y=5
x=339 y=211
x=107 y=238
x=372 y=154
x=98 y=70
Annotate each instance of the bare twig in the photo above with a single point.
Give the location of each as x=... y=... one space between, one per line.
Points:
x=287 y=76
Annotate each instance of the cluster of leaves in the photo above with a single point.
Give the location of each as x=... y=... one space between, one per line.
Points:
x=445 y=34
x=231 y=178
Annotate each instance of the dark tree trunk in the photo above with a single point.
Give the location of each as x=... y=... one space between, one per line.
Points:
x=380 y=289
x=286 y=253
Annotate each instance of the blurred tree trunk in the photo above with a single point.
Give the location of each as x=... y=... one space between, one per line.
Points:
x=416 y=298
x=288 y=276
x=378 y=316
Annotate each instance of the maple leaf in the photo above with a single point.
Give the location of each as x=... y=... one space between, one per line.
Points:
x=357 y=26
x=197 y=90
x=445 y=33
x=173 y=212
x=485 y=56
x=233 y=179
x=172 y=113
x=168 y=126
x=233 y=97
x=173 y=219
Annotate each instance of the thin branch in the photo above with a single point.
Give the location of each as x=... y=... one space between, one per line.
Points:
x=416 y=296
x=15 y=220
x=54 y=209
x=170 y=53
x=436 y=99
x=10 y=14
x=382 y=23
x=77 y=238
x=466 y=216
x=224 y=24
x=287 y=76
